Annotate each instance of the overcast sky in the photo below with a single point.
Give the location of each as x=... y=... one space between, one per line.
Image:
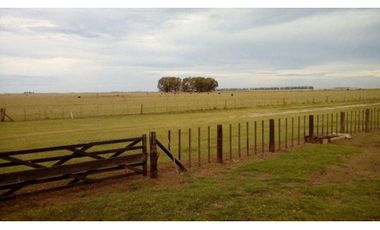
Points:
x=67 y=50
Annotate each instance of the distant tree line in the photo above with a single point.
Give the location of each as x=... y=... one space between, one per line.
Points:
x=268 y=88
x=188 y=84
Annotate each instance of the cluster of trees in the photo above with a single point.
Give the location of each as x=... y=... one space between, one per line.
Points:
x=189 y=84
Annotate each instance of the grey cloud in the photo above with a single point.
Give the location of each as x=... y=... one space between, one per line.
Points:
x=132 y=46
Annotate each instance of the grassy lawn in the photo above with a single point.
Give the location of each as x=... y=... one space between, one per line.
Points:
x=315 y=182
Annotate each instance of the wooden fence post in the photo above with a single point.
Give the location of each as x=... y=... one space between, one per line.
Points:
x=311 y=126
x=342 y=122
x=2 y=114
x=145 y=154
x=153 y=155
x=304 y=128
x=367 y=120
x=286 y=133
x=142 y=109
x=271 y=135
x=219 y=144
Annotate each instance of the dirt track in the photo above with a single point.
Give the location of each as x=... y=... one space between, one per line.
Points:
x=310 y=110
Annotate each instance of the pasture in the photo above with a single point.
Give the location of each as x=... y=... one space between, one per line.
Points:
x=245 y=159
x=25 y=107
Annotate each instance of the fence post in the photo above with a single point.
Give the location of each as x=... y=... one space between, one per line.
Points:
x=342 y=122
x=2 y=114
x=271 y=135
x=311 y=126
x=367 y=120
x=219 y=144
x=142 y=109
x=145 y=154
x=153 y=155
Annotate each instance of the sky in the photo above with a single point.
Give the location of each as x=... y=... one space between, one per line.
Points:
x=102 y=50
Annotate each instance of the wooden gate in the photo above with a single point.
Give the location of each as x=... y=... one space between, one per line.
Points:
x=72 y=164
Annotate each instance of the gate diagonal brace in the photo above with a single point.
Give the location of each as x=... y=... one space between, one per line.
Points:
x=69 y=157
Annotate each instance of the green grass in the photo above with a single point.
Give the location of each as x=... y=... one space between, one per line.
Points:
x=44 y=133
x=278 y=188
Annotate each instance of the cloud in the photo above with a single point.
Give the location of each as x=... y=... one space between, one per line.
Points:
x=129 y=49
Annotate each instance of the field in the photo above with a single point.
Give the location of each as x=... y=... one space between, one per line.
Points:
x=289 y=181
x=314 y=182
x=25 y=107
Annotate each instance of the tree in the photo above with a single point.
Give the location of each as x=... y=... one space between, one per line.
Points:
x=169 y=84
x=199 y=84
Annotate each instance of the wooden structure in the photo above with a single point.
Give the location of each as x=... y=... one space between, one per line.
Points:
x=219 y=153
x=271 y=136
x=156 y=145
x=35 y=166
x=4 y=115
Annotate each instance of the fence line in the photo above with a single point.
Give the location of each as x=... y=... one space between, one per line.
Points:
x=288 y=132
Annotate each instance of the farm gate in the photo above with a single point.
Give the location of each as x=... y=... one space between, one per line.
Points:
x=72 y=164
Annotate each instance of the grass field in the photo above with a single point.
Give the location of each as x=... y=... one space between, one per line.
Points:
x=315 y=182
x=297 y=185
x=43 y=133
x=23 y=107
